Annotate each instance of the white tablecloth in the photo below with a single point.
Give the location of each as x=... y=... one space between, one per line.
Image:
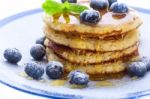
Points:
x=9 y=7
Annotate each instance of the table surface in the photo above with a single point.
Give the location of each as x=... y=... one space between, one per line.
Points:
x=8 y=8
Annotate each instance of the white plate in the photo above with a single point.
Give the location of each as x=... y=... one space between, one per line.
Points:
x=21 y=31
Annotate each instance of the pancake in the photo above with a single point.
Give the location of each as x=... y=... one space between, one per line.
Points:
x=108 y=26
x=127 y=41
x=102 y=50
x=72 y=35
x=105 y=68
x=88 y=57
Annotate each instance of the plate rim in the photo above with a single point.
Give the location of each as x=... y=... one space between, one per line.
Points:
x=22 y=14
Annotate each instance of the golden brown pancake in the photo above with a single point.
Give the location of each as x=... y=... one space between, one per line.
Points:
x=74 y=35
x=127 y=41
x=108 y=26
x=105 y=68
x=88 y=57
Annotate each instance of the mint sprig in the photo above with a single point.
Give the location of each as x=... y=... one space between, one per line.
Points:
x=54 y=8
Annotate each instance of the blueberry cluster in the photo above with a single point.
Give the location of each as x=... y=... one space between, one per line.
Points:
x=114 y=6
x=94 y=16
x=139 y=68
x=37 y=51
x=55 y=69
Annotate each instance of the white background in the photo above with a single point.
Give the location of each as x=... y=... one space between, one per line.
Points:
x=10 y=7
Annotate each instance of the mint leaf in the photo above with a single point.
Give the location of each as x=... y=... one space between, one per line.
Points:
x=75 y=8
x=57 y=9
x=52 y=7
x=65 y=7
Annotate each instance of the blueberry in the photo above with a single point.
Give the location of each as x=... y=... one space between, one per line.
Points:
x=70 y=1
x=99 y=4
x=146 y=61
x=111 y=2
x=78 y=78
x=119 y=7
x=12 y=55
x=34 y=70
x=90 y=17
x=137 y=69
x=54 y=70
x=40 y=41
x=37 y=52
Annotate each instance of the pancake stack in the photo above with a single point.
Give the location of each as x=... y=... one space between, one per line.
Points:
x=101 y=50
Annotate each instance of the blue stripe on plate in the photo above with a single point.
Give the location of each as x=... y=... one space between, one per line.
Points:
x=42 y=94
x=19 y=15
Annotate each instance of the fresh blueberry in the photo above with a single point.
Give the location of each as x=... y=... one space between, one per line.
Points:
x=78 y=78
x=111 y=2
x=37 y=52
x=40 y=41
x=99 y=4
x=34 y=70
x=54 y=70
x=90 y=17
x=70 y=1
x=119 y=7
x=137 y=69
x=146 y=61
x=12 y=55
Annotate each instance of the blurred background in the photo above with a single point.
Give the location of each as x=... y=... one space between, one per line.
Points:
x=10 y=7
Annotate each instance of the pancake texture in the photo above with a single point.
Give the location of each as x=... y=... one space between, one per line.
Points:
x=88 y=57
x=127 y=41
x=108 y=26
x=105 y=68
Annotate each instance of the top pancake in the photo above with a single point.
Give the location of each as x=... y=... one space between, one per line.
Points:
x=107 y=26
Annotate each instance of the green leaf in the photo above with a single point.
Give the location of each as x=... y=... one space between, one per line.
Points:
x=52 y=7
x=75 y=8
x=65 y=7
x=57 y=9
